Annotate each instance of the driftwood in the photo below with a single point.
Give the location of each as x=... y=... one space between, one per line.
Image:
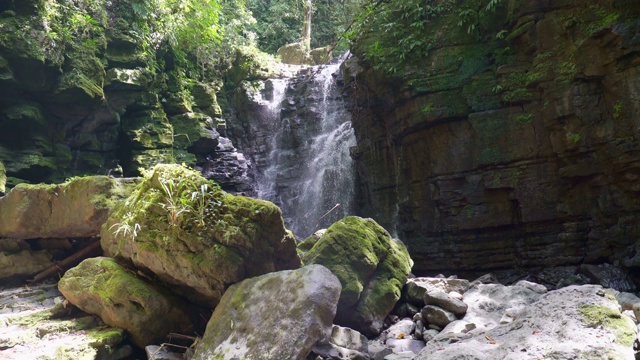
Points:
x=61 y=266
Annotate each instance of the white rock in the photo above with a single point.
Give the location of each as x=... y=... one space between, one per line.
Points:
x=348 y=338
x=402 y=329
x=574 y=322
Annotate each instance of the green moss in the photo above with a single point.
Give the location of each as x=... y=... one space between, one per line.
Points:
x=75 y=84
x=355 y=249
x=609 y=318
x=105 y=337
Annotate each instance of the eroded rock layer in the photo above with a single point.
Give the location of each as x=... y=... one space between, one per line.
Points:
x=514 y=143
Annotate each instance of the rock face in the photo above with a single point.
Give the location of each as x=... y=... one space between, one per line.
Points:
x=512 y=145
x=297 y=134
x=77 y=208
x=249 y=324
x=96 y=102
x=102 y=287
x=371 y=266
x=569 y=323
x=196 y=238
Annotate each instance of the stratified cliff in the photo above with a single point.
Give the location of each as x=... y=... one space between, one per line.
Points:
x=512 y=140
x=92 y=87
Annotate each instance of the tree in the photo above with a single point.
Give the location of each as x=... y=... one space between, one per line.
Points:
x=306 y=25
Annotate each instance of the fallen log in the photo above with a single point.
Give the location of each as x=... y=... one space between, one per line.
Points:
x=91 y=250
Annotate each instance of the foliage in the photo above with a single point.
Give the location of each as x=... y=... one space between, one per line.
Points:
x=617 y=109
x=399 y=28
x=280 y=22
x=187 y=202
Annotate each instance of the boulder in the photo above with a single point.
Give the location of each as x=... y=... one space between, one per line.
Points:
x=438 y=316
x=575 y=322
x=194 y=237
x=417 y=288
x=76 y=208
x=321 y=55
x=102 y=287
x=371 y=266
x=348 y=338
x=248 y=324
x=22 y=263
x=443 y=300
x=295 y=54
x=609 y=276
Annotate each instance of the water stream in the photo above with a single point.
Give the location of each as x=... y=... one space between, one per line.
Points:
x=307 y=170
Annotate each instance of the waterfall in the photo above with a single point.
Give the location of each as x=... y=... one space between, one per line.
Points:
x=306 y=167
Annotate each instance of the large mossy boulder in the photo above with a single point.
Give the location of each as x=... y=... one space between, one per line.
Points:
x=76 y=208
x=102 y=287
x=295 y=54
x=280 y=315
x=196 y=238
x=371 y=266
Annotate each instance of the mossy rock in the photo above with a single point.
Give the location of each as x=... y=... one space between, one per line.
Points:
x=29 y=164
x=177 y=103
x=611 y=319
x=77 y=208
x=321 y=55
x=371 y=266
x=148 y=129
x=295 y=54
x=196 y=238
x=102 y=287
x=76 y=88
x=195 y=132
x=147 y=159
x=128 y=79
x=204 y=95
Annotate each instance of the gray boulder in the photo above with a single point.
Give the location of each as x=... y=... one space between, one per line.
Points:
x=416 y=288
x=437 y=316
x=441 y=299
x=281 y=315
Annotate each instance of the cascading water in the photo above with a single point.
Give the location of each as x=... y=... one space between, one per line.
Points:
x=308 y=171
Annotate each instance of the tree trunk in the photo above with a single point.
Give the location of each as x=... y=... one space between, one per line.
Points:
x=306 y=25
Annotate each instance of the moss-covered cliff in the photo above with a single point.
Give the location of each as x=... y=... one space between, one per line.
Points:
x=500 y=134
x=89 y=86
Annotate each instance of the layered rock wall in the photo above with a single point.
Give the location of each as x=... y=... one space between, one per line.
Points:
x=515 y=143
x=93 y=96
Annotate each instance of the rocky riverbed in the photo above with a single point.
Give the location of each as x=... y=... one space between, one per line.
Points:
x=191 y=272
x=436 y=318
